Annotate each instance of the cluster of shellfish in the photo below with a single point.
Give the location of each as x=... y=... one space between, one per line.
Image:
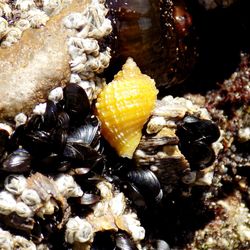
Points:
x=60 y=181
x=111 y=166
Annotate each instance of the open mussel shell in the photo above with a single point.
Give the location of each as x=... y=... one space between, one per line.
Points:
x=157 y=34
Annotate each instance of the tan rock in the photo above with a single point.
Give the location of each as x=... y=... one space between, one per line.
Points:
x=35 y=65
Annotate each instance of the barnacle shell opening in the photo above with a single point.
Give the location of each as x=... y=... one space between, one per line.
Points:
x=124 y=106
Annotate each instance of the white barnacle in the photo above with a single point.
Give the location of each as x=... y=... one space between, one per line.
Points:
x=6 y=240
x=78 y=230
x=20 y=119
x=75 y=51
x=117 y=204
x=12 y=36
x=56 y=94
x=75 y=21
x=75 y=78
x=22 y=24
x=80 y=60
x=100 y=26
x=30 y=197
x=101 y=208
x=155 y=124
x=52 y=7
x=3 y=27
x=48 y=208
x=24 y=5
x=22 y=243
x=5 y=10
x=92 y=64
x=87 y=84
x=90 y=46
x=36 y=17
x=23 y=210
x=105 y=57
x=15 y=184
x=7 y=203
x=67 y=186
x=105 y=189
x=131 y=224
x=40 y=109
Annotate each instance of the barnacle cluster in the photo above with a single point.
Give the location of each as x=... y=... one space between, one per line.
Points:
x=48 y=162
x=17 y=16
x=87 y=58
x=180 y=164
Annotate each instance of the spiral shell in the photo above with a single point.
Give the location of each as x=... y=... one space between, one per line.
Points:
x=124 y=106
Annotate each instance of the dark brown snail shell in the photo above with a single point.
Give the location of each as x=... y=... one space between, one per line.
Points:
x=157 y=34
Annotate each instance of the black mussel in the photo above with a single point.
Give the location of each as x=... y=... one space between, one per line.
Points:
x=146 y=183
x=194 y=129
x=59 y=139
x=16 y=138
x=63 y=120
x=123 y=242
x=198 y=154
x=18 y=161
x=132 y=192
x=157 y=34
x=74 y=152
x=77 y=104
x=35 y=123
x=48 y=164
x=50 y=115
x=38 y=143
x=82 y=155
x=88 y=134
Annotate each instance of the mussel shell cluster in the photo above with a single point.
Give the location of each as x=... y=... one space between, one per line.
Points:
x=65 y=134
x=61 y=137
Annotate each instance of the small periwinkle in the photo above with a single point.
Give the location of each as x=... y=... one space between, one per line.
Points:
x=158 y=35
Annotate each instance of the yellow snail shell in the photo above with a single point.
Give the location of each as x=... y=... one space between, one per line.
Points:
x=124 y=106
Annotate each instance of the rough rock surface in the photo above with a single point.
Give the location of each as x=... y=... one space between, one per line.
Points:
x=38 y=63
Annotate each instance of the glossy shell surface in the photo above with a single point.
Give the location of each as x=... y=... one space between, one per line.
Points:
x=124 y=106
x=157 y=34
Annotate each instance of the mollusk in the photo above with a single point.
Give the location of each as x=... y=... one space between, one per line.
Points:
x=157 y=34
x=124 y=106
x=179 y=144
